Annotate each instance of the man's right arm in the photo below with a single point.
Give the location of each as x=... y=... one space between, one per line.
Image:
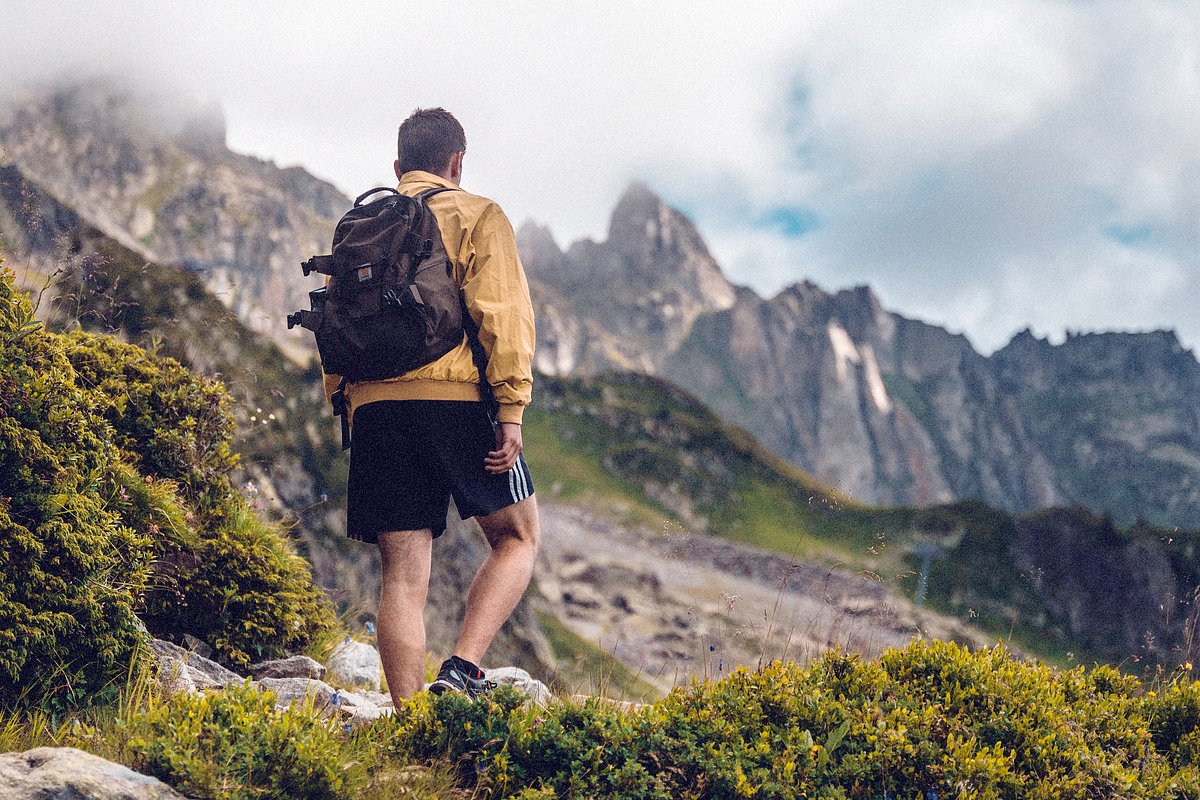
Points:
x=497 y=297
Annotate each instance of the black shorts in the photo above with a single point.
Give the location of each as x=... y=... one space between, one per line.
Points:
x=407 y=457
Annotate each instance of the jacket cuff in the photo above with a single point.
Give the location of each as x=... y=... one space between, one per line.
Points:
x=510 y=412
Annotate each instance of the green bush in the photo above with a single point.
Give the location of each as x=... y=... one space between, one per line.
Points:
x=930 y=718
x=115 y=503
x=71 y=570
x=235 y=745
x=224 y=576
x=169 y=423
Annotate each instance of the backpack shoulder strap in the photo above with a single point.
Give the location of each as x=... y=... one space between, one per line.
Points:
x=428 y=193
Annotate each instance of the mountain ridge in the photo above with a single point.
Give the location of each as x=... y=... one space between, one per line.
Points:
x=890 y=409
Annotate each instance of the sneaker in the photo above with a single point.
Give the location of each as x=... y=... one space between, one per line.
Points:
x=460 y=675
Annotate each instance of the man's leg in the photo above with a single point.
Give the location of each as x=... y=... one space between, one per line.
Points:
x=503 y=577
x=406 y=559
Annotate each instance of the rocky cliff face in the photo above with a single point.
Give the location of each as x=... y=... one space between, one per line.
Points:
x=889 y=409
x=161 y=181
x=629 y=301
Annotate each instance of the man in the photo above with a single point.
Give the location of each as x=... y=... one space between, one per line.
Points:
x=427 y=435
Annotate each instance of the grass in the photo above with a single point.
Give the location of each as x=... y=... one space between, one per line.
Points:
x=585 y=668
x=570 y=468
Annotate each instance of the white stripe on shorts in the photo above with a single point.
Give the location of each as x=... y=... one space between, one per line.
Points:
x=518 y=481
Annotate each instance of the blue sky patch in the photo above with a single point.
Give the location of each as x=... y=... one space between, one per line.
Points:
x=790 y=222
x=1132 y=235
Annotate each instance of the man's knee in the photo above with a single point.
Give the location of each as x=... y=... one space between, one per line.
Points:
x=406 y=556
x=513 y=525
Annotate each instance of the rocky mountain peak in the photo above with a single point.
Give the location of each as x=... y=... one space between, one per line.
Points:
x=660 y=245
x=152 y=171
x=538 y=248
x=643 y=223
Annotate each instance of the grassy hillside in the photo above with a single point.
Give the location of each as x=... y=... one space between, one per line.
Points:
x=1065 y=584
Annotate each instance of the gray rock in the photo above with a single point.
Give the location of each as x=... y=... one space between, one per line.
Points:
x=356 y=664
x=294 y=667
x=196 y=646
x=184 y=671
x=328 y=701
x=289 y=691
x=522 y=681
x=64 y=773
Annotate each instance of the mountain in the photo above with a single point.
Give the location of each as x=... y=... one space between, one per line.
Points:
x=154 y=175
x=889 y=409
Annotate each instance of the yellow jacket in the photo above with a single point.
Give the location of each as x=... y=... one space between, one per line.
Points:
x=479 y=240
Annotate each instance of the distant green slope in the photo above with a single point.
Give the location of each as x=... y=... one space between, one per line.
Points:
x=654 y=453
x=1065 y=584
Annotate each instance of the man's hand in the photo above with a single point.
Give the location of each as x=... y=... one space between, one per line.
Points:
x=508 y=447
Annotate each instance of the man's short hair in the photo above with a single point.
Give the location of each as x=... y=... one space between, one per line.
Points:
x=427 y=140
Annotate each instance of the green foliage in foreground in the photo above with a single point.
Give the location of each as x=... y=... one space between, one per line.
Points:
x=931 y=717
x=226 y=577
x=115 y=504
x=235 y=745
x=72 y=567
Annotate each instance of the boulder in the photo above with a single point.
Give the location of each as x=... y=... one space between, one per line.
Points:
x=328 y=701
x=294 y=667
x=64 y=773
x=184 y=671
x=522 y=681
x=355 y=664
x=197 y=646
x=289 y=691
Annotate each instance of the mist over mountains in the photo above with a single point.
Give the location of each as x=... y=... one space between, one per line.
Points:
x=891 y=410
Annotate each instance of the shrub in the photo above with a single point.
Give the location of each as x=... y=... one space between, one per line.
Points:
x=71 y=570
x=235 y=744
x=224 y=576
x=929 y=719
x=80 y=415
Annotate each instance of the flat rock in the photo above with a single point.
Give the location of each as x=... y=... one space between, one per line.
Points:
x=294 y=667
x=326 y=699
x=65 y=773
x=355 y=664
x=185 y=671
x=537 y=692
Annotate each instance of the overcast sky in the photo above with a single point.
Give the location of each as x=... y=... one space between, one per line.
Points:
x=982 y=165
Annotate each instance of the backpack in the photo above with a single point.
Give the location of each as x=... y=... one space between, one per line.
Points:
x=390 y=304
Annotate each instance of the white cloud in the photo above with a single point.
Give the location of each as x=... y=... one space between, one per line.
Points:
x=971 y=161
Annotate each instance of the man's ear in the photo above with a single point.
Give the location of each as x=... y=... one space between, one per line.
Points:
x=456 y=166
x=396 y=167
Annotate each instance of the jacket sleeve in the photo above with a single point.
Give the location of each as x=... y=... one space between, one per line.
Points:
x=497 y=297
